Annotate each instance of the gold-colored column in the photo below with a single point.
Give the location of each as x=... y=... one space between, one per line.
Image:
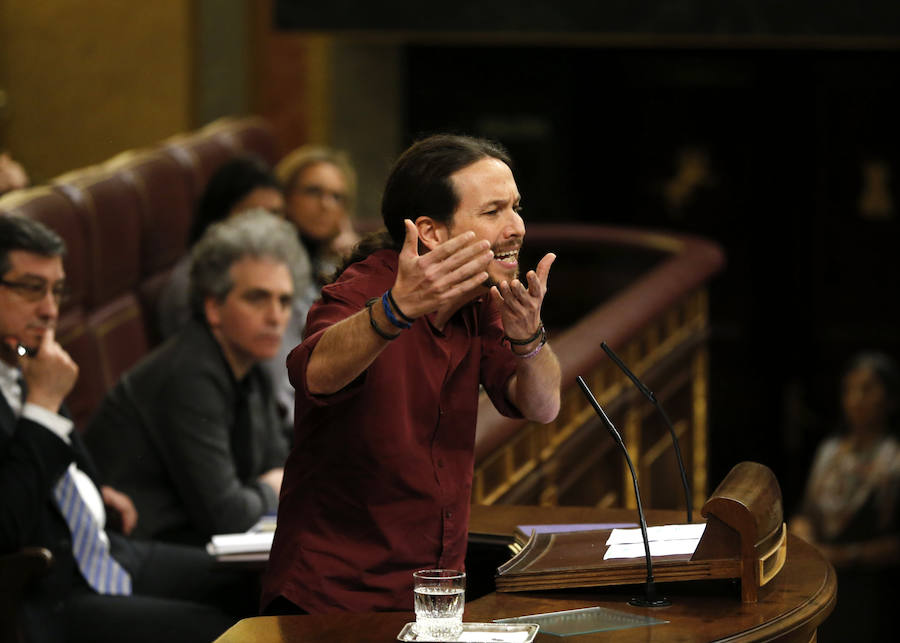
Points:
x=632 y=437
x=700 y=403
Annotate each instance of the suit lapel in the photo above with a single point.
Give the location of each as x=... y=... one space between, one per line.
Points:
x=7 y=418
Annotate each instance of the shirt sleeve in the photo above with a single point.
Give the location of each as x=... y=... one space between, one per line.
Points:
x=61 y=426
x=339 y=301
x=498 y=364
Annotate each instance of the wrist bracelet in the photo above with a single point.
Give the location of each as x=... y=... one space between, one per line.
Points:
x=390 y=314
x=403 y=316
x=532 y=353
x=374 y=324
x=536 y=350
x=525 y=342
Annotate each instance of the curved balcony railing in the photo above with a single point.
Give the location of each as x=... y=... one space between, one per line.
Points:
x=643 y=293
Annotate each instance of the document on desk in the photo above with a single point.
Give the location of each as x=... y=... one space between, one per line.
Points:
x=243 y=543
x=665 y=540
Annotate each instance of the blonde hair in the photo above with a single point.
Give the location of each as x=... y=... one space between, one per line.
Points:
x=290 y=167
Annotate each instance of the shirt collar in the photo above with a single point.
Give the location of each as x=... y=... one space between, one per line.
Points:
x=9 y=384
x=9 y=373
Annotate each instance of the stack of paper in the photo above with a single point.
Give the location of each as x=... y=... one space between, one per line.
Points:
x=244 y=543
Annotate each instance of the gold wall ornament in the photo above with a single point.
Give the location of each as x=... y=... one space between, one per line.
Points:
x=876 y=203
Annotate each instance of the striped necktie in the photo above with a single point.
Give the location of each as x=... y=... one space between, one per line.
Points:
x=99 y=568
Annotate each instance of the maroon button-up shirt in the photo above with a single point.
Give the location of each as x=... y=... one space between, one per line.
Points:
x=379 y=480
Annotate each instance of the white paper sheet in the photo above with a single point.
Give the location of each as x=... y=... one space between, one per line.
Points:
x=657 y=548
x=665 y=540
x=245 y=543
x=663 y=532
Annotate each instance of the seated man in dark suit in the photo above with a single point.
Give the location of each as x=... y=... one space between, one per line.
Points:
x=100 y=581
x=192 y=433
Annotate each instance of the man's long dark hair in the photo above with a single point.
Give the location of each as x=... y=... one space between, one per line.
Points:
x=419 y=185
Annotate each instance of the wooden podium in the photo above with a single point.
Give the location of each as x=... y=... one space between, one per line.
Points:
x=789 y=609
x=745 y=538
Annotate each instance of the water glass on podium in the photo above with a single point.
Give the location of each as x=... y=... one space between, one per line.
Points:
x=440 y=596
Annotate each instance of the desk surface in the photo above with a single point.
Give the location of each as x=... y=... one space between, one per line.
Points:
x=790 y=607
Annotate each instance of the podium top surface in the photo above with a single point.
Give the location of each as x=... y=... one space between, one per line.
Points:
x=789 y=608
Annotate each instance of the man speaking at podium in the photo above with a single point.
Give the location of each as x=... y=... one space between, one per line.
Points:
x=379 y=479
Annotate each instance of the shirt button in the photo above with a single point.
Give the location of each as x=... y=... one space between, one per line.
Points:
x=440 y=463
x=449 y=514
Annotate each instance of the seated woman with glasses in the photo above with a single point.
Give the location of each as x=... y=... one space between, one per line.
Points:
x=320 y=190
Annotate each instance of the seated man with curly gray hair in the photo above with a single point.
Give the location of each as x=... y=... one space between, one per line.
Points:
x=192 y=432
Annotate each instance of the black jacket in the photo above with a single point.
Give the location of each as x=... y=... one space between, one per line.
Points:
x=187 y=441
x=32 y=458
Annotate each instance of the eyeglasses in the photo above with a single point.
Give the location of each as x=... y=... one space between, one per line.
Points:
x=36 y=290
x=318 y=192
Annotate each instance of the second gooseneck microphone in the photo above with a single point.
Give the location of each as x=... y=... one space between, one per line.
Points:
x=650 y=598
x=650 y=396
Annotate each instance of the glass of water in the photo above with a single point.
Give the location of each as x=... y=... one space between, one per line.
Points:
x=440 y=598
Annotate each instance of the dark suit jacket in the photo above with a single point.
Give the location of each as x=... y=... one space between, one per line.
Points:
x=187 y=441
x=32 y=458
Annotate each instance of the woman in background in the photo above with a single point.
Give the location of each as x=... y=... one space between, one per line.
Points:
x=850 y=509
x=320 y=190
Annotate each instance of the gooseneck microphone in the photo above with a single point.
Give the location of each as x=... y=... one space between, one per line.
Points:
x=650 y=396
x=650 y=598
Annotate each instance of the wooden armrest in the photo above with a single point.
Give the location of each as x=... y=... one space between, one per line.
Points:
x=17 y=571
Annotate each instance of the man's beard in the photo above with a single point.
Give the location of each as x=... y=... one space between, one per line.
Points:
x=490 y=281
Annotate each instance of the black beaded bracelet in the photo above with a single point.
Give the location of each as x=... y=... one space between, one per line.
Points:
x=524 y=342
x=374 y=324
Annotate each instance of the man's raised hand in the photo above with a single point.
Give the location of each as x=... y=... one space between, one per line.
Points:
x=520 y=305
x=446 y=273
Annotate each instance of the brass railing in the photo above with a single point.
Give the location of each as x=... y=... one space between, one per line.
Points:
x=654 y=313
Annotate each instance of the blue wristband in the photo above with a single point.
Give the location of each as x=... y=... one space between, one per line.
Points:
x=390 y=314
x=403 y=316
